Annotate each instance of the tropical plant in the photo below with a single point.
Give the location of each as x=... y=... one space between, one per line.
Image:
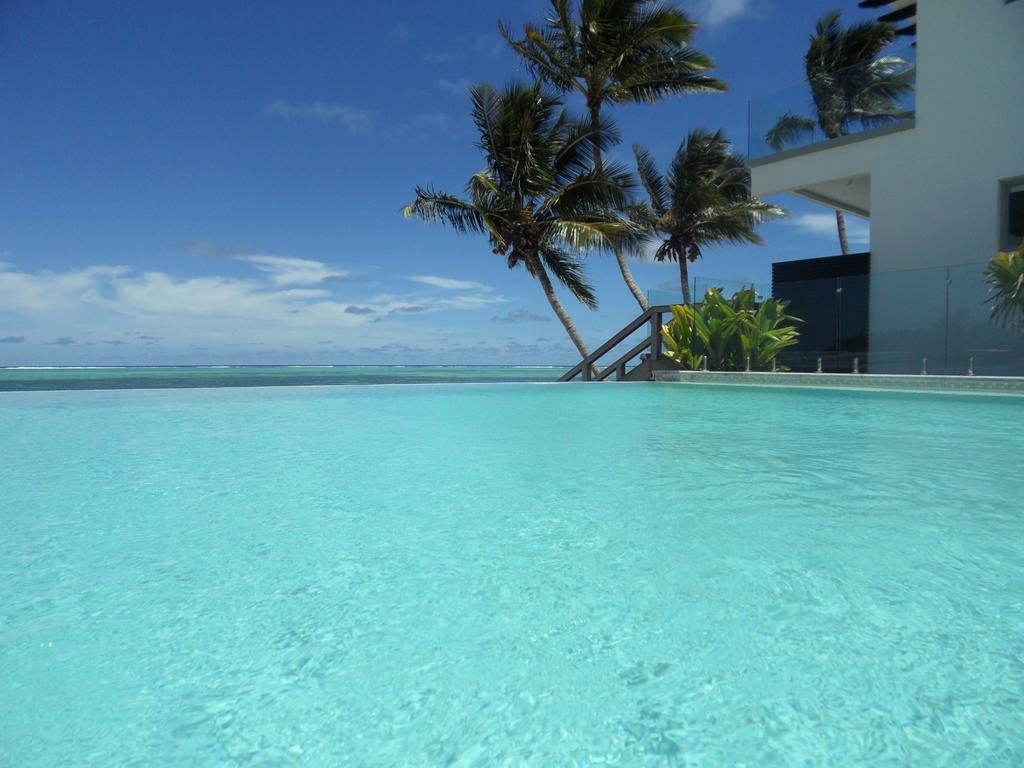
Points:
x=851 y=82
x=729 y=332
x=539 y=200
x=703 y=200
x=614 y=52
x=1005 y=277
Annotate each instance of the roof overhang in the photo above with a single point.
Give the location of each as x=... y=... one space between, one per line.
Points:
x=837 y=173
x=852 y=195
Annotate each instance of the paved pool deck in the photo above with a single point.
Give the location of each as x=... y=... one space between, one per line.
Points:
x=990 y=385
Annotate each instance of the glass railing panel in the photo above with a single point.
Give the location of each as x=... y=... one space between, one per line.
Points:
x=664 y=297
x=908 y=321
x=854 y=321
x=814 y=303
x=700 y=285
x=972 y=333
x=729 y=288
x=833 y=315
x=789 y=118
x=935 y=319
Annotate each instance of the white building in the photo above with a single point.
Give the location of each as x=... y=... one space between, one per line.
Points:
x=937 y=188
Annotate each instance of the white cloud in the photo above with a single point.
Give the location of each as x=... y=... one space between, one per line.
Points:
x=455 y=87
x=284 y=270
x=449 y=284
x=823 y=225
x=46 y=291
x=469 y=301
x=287 y=303
x=520 y=316
x=215 y=250
x=715 y=13
x=356 y=120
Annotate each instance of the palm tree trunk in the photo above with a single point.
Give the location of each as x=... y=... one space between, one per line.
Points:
x=627 y=275
x=620 y=257
x=684 y=279
x=844 y=244
x=549 y=291
x=595 y=124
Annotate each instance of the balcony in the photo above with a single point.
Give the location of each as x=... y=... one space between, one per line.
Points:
x=846 y=106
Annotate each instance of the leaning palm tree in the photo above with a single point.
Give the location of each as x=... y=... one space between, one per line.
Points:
x=703 y=200
x=851 y=83
x=539 y=200
x=613 y=52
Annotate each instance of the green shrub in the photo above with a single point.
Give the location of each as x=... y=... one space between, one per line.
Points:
x=1005 y=277
x=727 y=331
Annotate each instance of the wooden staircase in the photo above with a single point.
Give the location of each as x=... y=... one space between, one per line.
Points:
x=654 y=360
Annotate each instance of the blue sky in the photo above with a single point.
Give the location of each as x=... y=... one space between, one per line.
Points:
x=195 y=182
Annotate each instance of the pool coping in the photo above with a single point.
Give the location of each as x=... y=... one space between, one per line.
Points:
x=978 y=385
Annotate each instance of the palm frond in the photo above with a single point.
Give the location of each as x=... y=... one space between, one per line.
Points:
x=581 y=144
x=539 y=198
x=590 y=234
x=542 y=53
x=789 y=129
x=569 y=271
x=486 y=116
x=616 y=51
x=851 y=79
x=1005 y=277
x=645 y=217
x=707 y=199
x=654 y=75
x=653 y=182
x=447 y=209
x=592 y=192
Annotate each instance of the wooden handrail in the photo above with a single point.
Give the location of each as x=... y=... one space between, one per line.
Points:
x=619 y=365
x=653 y=316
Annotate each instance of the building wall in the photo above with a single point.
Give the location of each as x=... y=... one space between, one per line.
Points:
x=934 y=189
x=935 y=202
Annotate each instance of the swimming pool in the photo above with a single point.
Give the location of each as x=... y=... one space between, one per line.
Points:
x=510 y=574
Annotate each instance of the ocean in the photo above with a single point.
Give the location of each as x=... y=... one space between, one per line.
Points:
x=179 y=377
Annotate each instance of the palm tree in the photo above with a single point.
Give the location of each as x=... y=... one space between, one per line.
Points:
x=703 y=200
x=851 y=83
x=539 y=200
x=613 y=52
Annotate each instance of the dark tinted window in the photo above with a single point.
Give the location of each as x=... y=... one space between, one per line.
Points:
x=1014 y=231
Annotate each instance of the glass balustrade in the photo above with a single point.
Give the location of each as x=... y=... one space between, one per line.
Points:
x=846 y=102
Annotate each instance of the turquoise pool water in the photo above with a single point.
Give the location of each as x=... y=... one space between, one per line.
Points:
x=633 y=575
